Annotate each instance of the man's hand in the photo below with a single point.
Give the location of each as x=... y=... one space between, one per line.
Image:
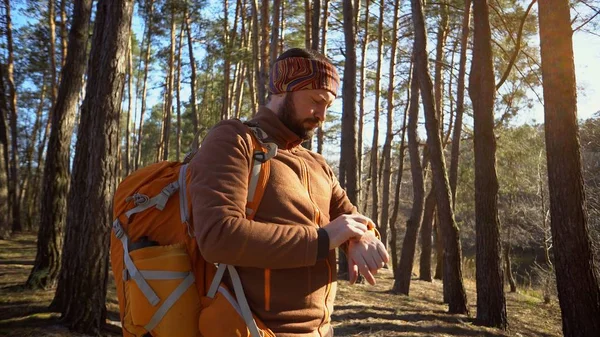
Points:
x=344 y=228
x=366 y=255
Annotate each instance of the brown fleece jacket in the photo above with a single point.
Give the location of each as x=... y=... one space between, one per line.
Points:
x=276 y=253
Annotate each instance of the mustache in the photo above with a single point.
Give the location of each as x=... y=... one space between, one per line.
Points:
x=313 y=120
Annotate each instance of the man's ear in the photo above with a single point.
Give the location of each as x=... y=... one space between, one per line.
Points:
x=276 y=101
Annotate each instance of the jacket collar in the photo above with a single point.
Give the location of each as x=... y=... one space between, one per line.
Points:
x=270 y=123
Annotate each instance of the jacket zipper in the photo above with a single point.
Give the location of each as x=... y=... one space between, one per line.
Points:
x=317 y=220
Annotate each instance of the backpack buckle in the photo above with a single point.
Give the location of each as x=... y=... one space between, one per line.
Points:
x=260 y=156
x=118 y=229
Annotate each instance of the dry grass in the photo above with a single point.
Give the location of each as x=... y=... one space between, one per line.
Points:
x=361 y=310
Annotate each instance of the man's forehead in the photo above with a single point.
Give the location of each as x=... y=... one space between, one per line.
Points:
x=323 y=94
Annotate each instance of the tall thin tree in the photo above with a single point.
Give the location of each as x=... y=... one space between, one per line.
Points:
x=55 y=187
x=94 y=174
x=576 y=273
x=14 y=132
x=149 y=11
x=460 y=101
x=457 y=296
x=386 y=161
x=402 y=280
x=491 y=303
x=348 y=154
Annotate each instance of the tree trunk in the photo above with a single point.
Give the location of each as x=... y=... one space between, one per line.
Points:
x=63 y=34
x=509 y=273
x=193 y=93
x=149 y=12
x=361 y=103
x=438 y=81
x=348 y=155
x=178 y=94
x=169 y=93
x=52 y=52
x=93 y=183
x=439 y=248
x=14 y=153
x=389 y=136
x=324 y=27
x=307 y=24
x=129 y=106
x=426 y=238
x=282 y=28
x=275 y=31
x=226 y=63
x=375 y=143
x=460 y=101
x=323 y=46
x=56 y=170
x=576 y=276
x=452 y=249
x=4 y=159
x=315 y=27
x=256 y=57
x=264 y=53
x=491 y=303
x=402 y=280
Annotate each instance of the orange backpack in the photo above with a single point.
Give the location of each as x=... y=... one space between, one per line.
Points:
x=164 y=285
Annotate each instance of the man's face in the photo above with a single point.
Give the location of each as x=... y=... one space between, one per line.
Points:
x=304 y=110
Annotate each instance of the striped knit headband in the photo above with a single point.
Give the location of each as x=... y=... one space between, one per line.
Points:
x=299 y=73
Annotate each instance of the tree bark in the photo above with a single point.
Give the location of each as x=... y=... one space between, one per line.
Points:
x=348 y=154
x=576 y=276
x=129 y=106
x=255 y=85
x=426 y=237
x=491 y=303
x=14 y=153
x=452 y=249
x=389 y=136
x=64 y=34
x=4 y=160
x=264 y=53
x=275 y=31
x=438 y=80
x=307 y=24
x=460 y=101
x=94 y=174
x=56 y=171
x=375 y=143
x=315 y=27
x=402 y=280
x=178 y=93
x=150 y=14
x=193 y=93
x=170 y=88
x=439 y=248
x=361 y=103
x=226 y=62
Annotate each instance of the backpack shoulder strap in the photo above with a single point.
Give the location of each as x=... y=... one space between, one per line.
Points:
x=262 y=152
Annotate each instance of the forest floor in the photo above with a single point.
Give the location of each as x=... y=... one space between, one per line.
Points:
x=361 y=310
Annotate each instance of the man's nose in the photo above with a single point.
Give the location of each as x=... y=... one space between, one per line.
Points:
x=320 y=113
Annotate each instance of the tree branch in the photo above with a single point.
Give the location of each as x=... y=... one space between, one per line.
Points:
x=517 y=47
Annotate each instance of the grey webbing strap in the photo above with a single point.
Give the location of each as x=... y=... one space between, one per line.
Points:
x=168 y=303
x=253 y=183
x=241 y=305
x=183 y=200
x=214 y=286
x=163 y=274
x=134 y=273
x=241 y=298
x=159 y=201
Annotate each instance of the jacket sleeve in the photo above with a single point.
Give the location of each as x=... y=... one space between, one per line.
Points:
x=219 y=185
x=340 y=204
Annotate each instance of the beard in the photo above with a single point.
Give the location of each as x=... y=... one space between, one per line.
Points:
x=288 y=117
